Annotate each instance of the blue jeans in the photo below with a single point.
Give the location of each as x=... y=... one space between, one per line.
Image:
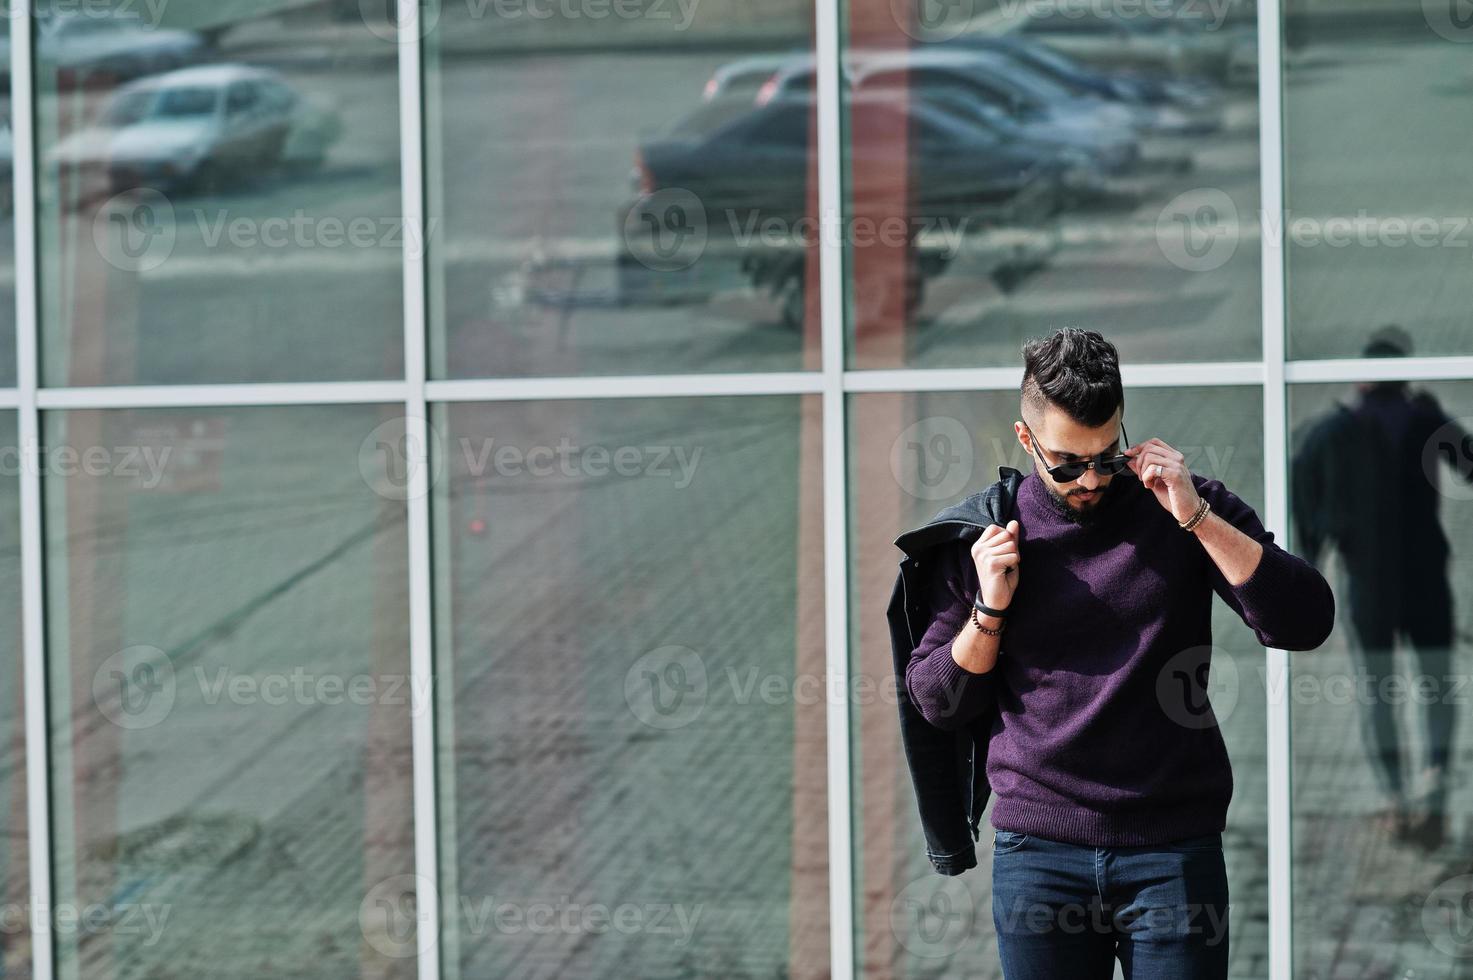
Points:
x=1068 y=910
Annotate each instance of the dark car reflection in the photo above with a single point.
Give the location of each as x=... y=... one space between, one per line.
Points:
x=749 y=174
x=196 y=129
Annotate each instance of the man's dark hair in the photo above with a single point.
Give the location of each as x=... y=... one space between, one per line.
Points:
x=1076 y=370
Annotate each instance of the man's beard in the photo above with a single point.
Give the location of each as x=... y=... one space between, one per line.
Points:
x=1077 y=515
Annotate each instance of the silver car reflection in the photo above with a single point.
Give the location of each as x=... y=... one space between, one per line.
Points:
x=197 y=129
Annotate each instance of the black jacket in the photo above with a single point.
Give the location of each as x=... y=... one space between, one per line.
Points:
x=948 y=769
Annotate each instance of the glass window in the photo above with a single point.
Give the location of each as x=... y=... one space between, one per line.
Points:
x=1381 y=496
x=1377 y=229
x=579 y=232
x=1126 y=199
x=183 y=243
x=630 y=661
x=227 y=643
x=910 y=455
x=15 y=884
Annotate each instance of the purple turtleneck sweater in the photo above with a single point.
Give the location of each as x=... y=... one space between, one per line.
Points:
x=1104 y=734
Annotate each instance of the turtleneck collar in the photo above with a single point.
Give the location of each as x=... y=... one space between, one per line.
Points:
x=1044 y=506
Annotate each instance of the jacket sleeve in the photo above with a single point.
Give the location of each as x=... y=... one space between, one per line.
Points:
x=947 y=695
x=1286 y=601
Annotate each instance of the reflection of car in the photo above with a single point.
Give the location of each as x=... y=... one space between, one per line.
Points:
x=1038 y=108
x=744 y=188
x=1180 y=46
x=1161 y=106
x=759 y=163
x=116 y=47
x=195 y=128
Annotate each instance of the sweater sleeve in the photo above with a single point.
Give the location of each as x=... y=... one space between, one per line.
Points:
x=947 y=695
x=1286 y=601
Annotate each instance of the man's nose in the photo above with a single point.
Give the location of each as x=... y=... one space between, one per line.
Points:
x=1090 y=479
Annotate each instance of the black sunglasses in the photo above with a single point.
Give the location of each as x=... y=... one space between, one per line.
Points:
x=1074 y=469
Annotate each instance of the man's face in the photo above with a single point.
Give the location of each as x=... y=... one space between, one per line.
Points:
x=1057 y=438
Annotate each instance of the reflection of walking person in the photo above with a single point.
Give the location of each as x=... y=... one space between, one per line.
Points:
x=1365 y=480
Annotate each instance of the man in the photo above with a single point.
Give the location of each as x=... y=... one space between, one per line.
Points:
x=1087 y=620
x=1389 y=445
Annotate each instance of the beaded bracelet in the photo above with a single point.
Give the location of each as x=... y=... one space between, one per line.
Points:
x=1191 y=523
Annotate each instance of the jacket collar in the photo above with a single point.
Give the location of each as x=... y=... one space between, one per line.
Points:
x=966 y=518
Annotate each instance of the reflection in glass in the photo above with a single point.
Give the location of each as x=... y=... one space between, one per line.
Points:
x=630 y=662
x=1030 y=165
x=227 y=648
x=219 y=193
x=910 y=456
x=1377 y=229
x=617 y=190
x=15 y=950
x=1381 y=494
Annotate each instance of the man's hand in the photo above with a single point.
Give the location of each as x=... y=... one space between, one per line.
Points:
x=1164 y=472
x=995 y=554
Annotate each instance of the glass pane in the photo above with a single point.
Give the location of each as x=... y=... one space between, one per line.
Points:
x=219 y=193
x=227 y=637
x=621 y=188
x=630 y=662
x=1007 y=173
x=1382 y=501
x=15 y=944
x=910 y=456
x=1378 y=229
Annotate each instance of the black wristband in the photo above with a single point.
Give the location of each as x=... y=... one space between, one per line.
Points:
x=987 y=610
